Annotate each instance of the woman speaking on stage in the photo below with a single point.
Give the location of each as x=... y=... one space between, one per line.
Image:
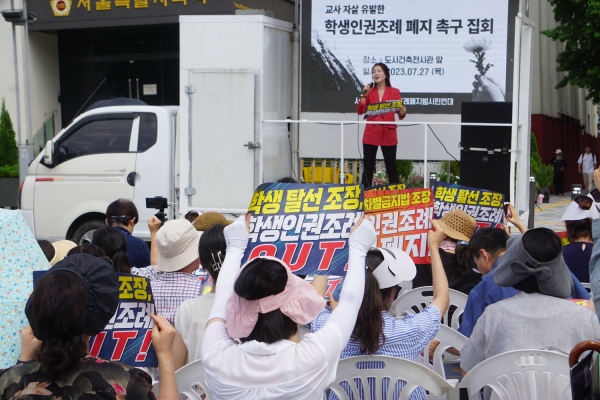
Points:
x=380 y=135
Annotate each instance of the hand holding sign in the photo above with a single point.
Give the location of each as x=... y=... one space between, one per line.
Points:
x=436 y=235
x=402 y=112
x=163 y=335
x=236 y=234
x=362 y=236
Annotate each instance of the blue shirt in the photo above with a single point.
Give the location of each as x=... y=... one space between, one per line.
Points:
x=137 y=250
x=404 y=338
x=578 y=260
x=488 y=292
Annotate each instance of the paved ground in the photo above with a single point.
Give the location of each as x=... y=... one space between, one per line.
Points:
x=548 y=214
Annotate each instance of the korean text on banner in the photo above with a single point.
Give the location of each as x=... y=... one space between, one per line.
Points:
x=385 y=107
x=128 y=336
x=401 y=219
x=306 y=226
x=483 y=205
x=393 y=186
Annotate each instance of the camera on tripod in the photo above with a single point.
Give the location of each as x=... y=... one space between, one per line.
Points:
x=158 y=203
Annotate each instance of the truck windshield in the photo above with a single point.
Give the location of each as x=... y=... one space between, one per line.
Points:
x=97 y=137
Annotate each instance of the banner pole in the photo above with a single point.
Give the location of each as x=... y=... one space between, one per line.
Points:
x=342 y=181
x=425 y=175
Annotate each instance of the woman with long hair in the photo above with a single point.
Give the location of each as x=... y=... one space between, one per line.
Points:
x=72 y=301
x=261 y=304
x=114 y=244
x=375 y=135
x=377 y=332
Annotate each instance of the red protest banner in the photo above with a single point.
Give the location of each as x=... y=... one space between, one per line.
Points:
x=401 y=220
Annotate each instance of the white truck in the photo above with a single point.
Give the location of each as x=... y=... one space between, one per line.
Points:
x=207 y=154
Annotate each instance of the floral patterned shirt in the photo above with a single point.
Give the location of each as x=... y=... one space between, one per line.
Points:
x=91 y=378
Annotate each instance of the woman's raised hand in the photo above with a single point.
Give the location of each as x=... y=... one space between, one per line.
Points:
x=236 y=234
x=435 y=235
x=362 y=235
x=163 y=335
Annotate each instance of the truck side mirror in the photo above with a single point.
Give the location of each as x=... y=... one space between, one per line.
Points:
x=49 y=153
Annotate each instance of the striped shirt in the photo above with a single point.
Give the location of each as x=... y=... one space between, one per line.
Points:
x=404 y=338
x=171 y=289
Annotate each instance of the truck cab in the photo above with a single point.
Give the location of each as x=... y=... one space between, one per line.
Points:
x=105 y=154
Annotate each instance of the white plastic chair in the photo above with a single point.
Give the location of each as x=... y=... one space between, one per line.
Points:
x=521 y=374
x=190 y=382
x=392 y=368
x=420 y=298
x=405 y=286
x=448 y=337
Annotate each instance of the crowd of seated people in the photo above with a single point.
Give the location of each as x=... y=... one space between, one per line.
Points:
x=246 y=328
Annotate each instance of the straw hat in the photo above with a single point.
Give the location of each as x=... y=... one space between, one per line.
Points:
x=208 y=219
x=61 y=248
x=458 y=225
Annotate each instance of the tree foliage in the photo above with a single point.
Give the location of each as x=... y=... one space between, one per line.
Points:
x=535 y=162
x=404 y=168
x=579 y=29
x=9 y=153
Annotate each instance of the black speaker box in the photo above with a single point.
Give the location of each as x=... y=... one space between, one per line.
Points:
x=480 y=169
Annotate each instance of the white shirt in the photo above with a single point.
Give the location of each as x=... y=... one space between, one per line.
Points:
x=282 y=370
x=190 y=322
x=587 y=162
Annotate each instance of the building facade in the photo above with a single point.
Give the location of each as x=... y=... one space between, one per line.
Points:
x=83 y=51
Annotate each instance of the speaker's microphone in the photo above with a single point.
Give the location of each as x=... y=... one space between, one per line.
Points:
x=371 y=86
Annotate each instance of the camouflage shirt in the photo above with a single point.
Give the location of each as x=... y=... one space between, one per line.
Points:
x=91 y=378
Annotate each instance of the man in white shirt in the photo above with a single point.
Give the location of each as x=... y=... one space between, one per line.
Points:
x=587 y=163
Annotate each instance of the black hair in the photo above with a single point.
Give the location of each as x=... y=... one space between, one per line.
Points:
x=529 y=285
x=287 y=179
x=386 y=71
x=368 y=329
x=464 y=261
x=91 y=249
x=492 y=240
x=114 y=244
x=259 y=279
x=121 y=211
x=579 y=229
x=543 y=245
x=211 y=243
x=191 y=215
x=47 y=248
x=58 y=305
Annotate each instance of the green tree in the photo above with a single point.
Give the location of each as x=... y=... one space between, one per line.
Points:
x=404 y=168
x=9 y=153
x=578 y=22
x=535 y=162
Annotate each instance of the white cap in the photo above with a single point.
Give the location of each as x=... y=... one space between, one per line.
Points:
x=558 y=151
x=576 y=213
x=396 y=267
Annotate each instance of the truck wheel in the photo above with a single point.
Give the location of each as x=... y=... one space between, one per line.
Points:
x=85 y=232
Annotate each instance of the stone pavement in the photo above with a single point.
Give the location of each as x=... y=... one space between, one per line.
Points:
x=548 y=214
